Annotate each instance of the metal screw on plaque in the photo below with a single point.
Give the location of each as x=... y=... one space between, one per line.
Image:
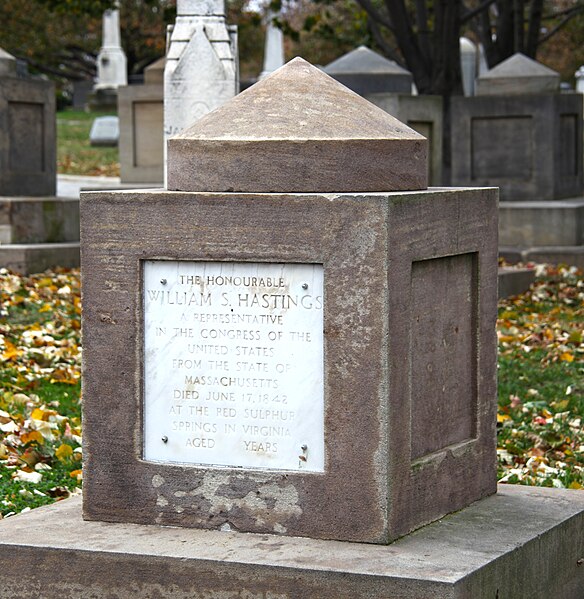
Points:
x=303 y=457
x=163 y=281
x=165 y=439
x=304 y=285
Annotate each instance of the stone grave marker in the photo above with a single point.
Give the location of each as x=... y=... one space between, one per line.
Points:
x=27 y=133
x=201 y=64
x=273 y=47
x=294 y=324
x=105 y=131
x=37 y=229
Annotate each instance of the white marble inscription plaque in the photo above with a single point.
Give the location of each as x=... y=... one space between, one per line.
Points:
x=233 y=364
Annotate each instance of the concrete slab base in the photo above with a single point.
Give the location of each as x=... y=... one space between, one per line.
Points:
x=513 y=281
x=524 y=542
x=564 y=254
x=28 y=258
x=542 y=223
x=38 y=219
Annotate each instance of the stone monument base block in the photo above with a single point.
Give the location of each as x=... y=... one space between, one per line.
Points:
x=28 y=258
x=524 y=542
x=553 y=223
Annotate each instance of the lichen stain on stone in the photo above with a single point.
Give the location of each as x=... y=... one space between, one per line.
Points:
x=157 y=481
x=267 y=504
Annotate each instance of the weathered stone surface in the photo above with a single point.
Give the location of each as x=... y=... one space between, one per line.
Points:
x=523 y=543
x=297 y=130
x=367 y=72
x=424 y=115
x=529 y=146
x=387 y=258
x=518 y=75
x=27 y=137
x=141 y=113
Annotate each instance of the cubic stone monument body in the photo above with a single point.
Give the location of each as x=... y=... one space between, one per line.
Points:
x=527 y=139
x=27 y=134
x=367 y=72
x=303 y=350
x=141 y=112
x=37 y=229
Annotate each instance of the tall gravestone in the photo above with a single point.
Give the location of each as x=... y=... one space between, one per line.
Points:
x=111 y=60
x=521 y=134
x=296 y=341
x=275 y=392
x=111 y=65
x=201 y=64
x=273 y=47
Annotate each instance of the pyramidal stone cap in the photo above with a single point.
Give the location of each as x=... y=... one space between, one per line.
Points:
x=7 y=63
x=364 y=60
x=298 y=130
x=518 y=74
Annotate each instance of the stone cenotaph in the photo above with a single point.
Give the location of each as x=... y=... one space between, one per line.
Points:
x=295 y=340
x=37 y=229
x=523 y=135
x=268 y=376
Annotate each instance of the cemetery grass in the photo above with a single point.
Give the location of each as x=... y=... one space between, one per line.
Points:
x=75 y=156
x=541 y=389
x=40 y=387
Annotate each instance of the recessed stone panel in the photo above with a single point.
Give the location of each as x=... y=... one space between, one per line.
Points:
x=493 y=143
x=148 y=134
x=443 y=355
x=568 y=158
x=26 y=135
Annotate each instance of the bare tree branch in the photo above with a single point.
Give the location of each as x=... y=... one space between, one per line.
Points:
x=471 y=14
x=535 y=15
x=575 y=11
x=423 y=28
x=381 y=41
x=374 y=14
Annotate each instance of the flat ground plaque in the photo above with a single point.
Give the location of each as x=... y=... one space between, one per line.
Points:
x=233 y=364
